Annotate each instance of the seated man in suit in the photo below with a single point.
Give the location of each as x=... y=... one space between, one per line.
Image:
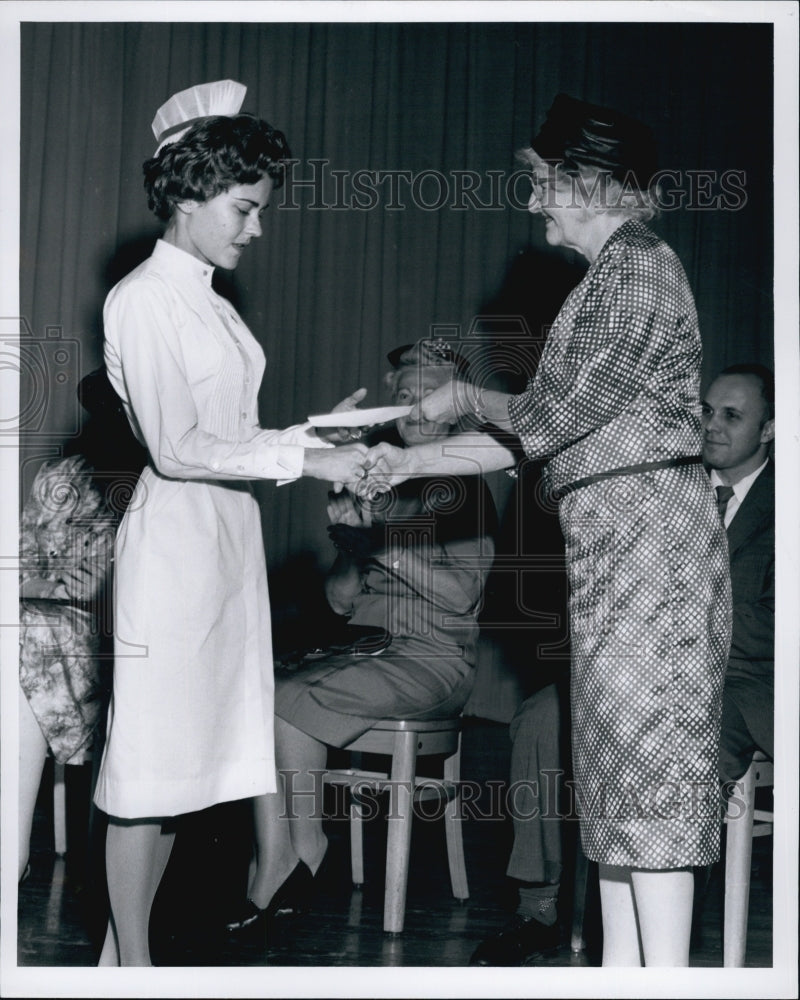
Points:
x=535 y=863
x=738 y=429
x=535 y=595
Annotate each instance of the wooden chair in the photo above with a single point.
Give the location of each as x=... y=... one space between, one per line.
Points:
x=577 y=941
x=60 y=838
x=405 y=741
x=59 y=809
x=743 y=822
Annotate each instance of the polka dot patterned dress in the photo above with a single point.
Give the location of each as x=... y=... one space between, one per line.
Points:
x=617 y=387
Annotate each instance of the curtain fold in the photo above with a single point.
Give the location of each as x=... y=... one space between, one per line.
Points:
x=330 y=290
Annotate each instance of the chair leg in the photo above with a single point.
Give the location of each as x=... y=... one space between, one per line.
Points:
x=398 y=846
x=357 y=840
x=453 y=829
x=738 y=855
x=59 y=809
x=97 y=754
x=577 y=941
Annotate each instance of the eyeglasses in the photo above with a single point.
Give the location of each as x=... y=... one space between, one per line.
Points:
x=538 y=185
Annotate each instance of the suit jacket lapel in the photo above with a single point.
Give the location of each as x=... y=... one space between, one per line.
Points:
x=759 y=504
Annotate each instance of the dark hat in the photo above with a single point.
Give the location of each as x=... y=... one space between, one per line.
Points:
x=579 y=134
x=427 y=352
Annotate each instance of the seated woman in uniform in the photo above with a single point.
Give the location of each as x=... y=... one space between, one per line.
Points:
x=411 y=564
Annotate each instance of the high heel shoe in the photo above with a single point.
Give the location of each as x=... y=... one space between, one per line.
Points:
x=291 y=897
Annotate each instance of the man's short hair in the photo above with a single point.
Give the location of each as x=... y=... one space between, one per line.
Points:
x=766 y=380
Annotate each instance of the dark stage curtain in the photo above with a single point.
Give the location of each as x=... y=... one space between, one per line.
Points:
x=335 y=283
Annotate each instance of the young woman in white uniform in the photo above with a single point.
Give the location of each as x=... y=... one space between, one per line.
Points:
x=191 y=718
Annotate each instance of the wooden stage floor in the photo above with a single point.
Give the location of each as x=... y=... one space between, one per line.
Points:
x=62 y=905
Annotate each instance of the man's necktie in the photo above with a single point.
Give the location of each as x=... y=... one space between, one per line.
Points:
x=724 y=493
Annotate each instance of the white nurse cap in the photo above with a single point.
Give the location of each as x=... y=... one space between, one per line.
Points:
x=186 y=108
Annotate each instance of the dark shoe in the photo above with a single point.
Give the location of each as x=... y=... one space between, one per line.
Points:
x=519 y=940
x=292 y=897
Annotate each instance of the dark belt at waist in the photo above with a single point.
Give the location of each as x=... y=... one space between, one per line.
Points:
x=626 y=470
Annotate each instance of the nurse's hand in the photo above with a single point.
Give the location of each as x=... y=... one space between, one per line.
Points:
x=341 y=435
x=341 y=466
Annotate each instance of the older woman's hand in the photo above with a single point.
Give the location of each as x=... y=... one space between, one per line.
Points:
x=340 y=435
x=445 y=405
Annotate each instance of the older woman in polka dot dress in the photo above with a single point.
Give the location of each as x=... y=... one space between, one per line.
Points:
x=614 y=407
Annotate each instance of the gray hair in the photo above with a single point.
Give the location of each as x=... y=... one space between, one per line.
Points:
x=442 y=373
x=596 y=190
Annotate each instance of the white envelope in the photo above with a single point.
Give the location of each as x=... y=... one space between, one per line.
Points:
x=359 y=418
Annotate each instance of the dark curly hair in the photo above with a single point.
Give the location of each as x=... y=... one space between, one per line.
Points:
x=213 y=156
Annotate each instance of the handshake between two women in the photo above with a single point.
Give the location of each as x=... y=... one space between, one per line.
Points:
x=438 y=404
x=364 y=471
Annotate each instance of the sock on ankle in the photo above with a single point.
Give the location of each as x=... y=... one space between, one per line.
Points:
x=539 y=902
